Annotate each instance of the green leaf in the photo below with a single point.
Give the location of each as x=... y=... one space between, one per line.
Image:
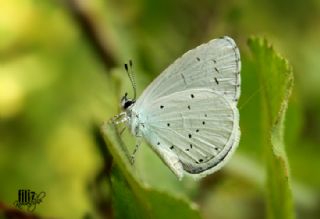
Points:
x=132 y=198
x=276 y=80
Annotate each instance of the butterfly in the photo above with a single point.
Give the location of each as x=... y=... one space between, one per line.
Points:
x=189 y=113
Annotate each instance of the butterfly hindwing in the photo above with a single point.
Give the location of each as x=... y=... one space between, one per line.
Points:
x=199 y=125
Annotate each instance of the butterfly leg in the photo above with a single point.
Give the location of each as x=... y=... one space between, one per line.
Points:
x=138 y=143
x=120 y=118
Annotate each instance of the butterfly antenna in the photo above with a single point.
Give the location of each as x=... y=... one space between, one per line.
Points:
x=132 y=78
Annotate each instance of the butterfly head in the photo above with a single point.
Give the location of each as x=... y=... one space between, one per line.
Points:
x=126 y=102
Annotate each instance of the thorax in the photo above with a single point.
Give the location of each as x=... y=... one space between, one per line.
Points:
x=135 y=121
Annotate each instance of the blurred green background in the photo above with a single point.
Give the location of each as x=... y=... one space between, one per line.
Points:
x=61 y=76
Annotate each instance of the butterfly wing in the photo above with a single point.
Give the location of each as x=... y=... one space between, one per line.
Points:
x=199 y=126
x=215 y=65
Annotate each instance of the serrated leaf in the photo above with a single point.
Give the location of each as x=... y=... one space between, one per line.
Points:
x=276 y=80
x=132 y=198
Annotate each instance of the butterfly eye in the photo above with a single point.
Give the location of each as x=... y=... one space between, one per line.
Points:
x=128 y=103
x=125 y=102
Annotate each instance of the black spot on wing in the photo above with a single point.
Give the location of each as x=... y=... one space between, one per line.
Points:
x=199 y=169
x=216 y=80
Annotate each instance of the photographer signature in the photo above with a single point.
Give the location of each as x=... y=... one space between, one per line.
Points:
x=30 y=203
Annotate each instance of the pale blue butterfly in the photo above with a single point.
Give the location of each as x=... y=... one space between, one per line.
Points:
x=189 y=114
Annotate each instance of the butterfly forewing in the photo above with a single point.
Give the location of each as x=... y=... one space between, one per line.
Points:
x=198 y=125
x=215 y=65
